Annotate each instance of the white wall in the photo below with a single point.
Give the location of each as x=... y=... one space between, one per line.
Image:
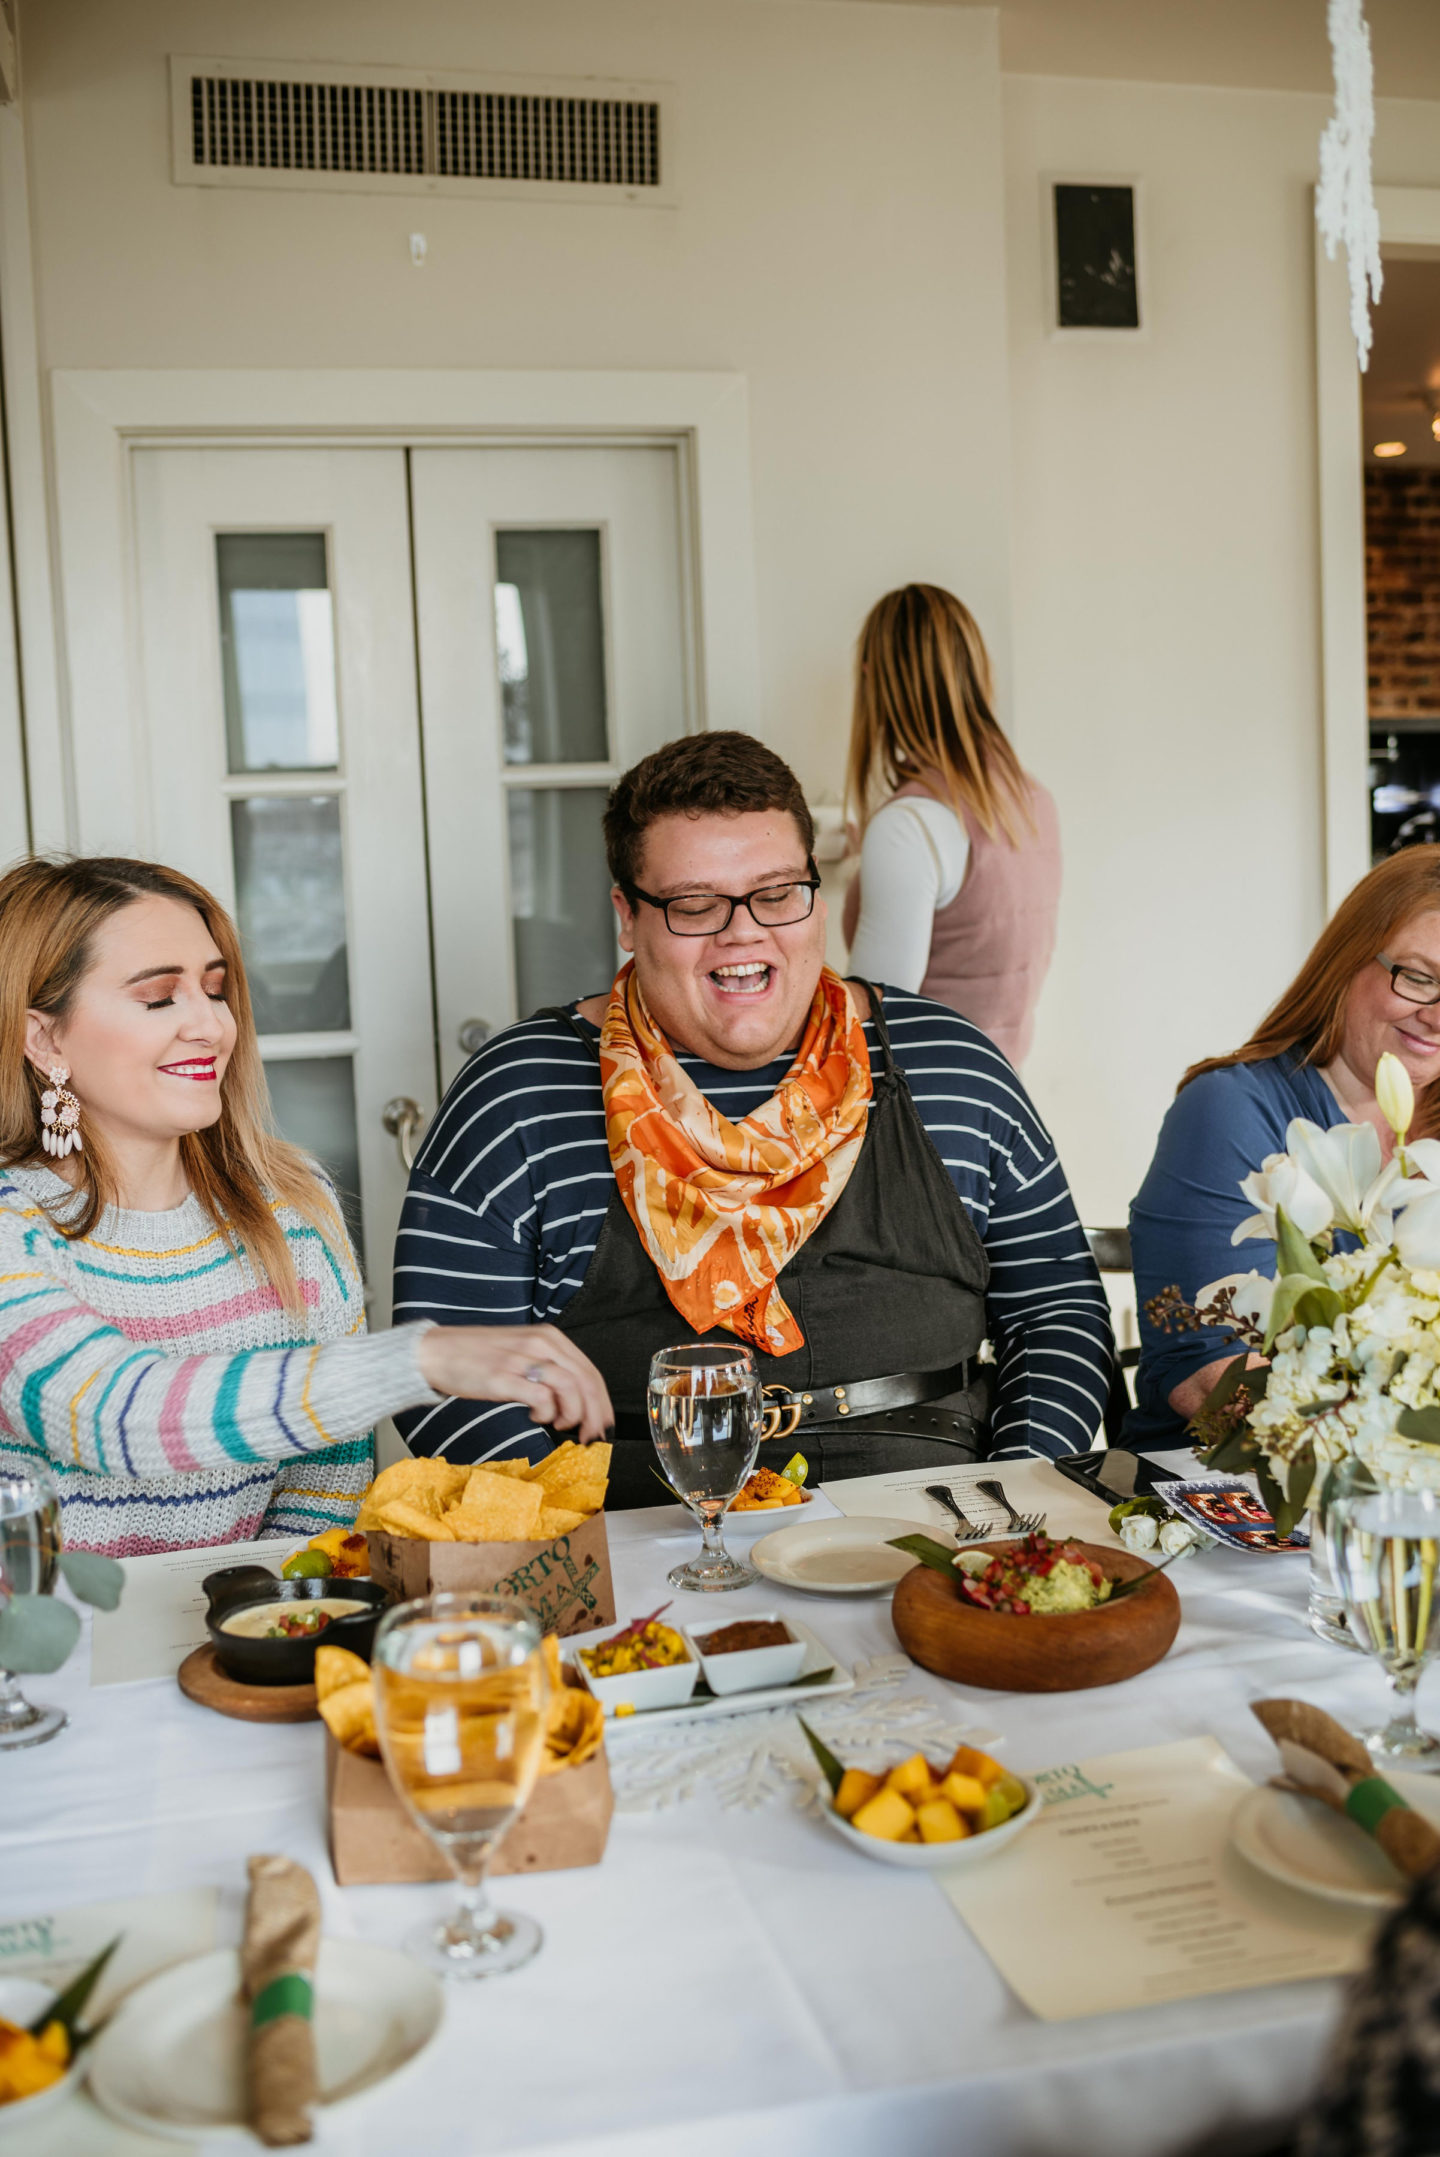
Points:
x=849 y=219
x=839 y=238
x=1166 y=594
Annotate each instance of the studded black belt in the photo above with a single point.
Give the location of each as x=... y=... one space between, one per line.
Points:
x=787 y=1412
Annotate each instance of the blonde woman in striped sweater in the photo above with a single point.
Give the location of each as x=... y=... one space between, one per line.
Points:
x=181 y=1318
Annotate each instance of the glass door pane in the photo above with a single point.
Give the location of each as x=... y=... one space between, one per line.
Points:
x=277 y=648
x=550 y=643
x=562 y=919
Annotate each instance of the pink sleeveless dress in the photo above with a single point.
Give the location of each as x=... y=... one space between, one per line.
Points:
x=991 y=947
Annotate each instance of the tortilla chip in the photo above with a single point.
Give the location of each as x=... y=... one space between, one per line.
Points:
x=522 y=1470
x=336 y=1668
x=401 y=1518
x=574 y=1730
x=496 y=1509
x=350 y=1716
x=556 y=1520
x=431 y=1484
x=576 y=1476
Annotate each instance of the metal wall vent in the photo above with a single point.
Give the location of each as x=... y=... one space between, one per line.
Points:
x=257 y=124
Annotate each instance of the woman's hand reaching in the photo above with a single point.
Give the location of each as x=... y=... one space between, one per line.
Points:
x=535 y=1365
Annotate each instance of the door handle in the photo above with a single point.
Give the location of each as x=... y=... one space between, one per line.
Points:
x=473 y=1035
x=402 y=1118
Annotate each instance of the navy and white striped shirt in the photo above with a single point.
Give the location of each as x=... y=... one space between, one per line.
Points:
x=512 y=1183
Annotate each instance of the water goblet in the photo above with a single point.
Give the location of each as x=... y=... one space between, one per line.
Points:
x=29 y=1559
x=1385 y=1551
x=460 y=1700
x=706 y=1415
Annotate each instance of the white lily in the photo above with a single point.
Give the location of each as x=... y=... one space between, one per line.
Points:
x=1417 y=1232
x=1282 y=1182
x=1345 y=1162
x=1424 y=1154
x=1251 y=1295
x=1395 y=1094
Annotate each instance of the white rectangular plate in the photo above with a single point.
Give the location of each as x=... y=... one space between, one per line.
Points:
x=699 y=1708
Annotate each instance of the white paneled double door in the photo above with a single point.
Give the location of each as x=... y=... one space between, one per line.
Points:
x=385 y=692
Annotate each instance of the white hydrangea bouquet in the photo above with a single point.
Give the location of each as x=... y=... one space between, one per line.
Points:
x=1351 y=1337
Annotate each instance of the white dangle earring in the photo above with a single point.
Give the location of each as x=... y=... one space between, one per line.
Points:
x=60 y=1116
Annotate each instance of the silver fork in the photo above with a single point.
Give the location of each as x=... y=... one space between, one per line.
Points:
x=1020 y=1523
x=966 y=1530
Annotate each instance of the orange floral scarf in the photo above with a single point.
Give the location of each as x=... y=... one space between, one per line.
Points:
x=722 y=1206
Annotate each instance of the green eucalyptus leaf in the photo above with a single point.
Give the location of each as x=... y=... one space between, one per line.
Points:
x=1319 y=1307
x=829 y=1765
x=1236 y=1451
x=36 y=1633
x=1293 y=1250
x=1300 y=1482
x=1228 y=1383
x=1290 y=1290
x=1420 y=1423
x=1270 y=1490
x=69 y=2005
x=94 y=1579
x=928 y=1551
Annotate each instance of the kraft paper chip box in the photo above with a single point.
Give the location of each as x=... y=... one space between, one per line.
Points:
x=373 y=1839
x=566 y=1582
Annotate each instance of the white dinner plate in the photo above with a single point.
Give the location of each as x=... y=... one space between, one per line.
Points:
x=936 y=1856
x=171 y=2059
x=702 y=1705
x=836 y=1557
x=1301 y=1842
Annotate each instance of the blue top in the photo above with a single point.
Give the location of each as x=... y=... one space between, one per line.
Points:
x=1219 y=1129
x=511 y=1185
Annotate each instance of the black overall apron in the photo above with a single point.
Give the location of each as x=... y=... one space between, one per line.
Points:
x=889 y=1293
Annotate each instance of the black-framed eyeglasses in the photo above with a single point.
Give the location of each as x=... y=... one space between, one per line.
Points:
x=710 y=913
x=1409 y=983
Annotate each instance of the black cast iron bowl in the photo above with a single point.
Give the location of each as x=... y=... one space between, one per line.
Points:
x=285 y=1662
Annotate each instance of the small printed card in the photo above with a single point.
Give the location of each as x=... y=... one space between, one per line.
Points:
x=53 y=1946
x=1127 y=1891
x=1230 y=1508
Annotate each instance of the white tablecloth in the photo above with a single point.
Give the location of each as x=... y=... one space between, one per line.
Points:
x=740 y=1979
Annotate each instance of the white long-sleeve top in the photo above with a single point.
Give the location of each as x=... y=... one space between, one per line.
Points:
x=912 y=862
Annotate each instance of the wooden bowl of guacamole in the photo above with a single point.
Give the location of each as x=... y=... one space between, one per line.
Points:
x=1058 y=1652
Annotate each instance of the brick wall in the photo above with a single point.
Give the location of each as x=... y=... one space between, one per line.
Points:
x=1402 y=586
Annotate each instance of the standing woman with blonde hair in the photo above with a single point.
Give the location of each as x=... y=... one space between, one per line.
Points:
x=181 y=1314
x=958 y=886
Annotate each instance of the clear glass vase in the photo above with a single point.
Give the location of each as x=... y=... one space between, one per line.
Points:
x=1326 y=1614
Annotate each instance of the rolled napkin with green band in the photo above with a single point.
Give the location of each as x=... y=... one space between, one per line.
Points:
x=277 y=1961
x=1322 y=1759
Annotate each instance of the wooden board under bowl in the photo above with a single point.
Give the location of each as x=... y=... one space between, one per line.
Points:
x=202 y=1680
x=1006 y=1654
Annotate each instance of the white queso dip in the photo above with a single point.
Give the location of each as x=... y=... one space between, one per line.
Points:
x=291 y=1621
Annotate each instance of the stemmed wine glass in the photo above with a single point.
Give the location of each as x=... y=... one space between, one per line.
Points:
x=706 y=1416
x=29 y=1558
x=1385 y=1552
x=460 y=1699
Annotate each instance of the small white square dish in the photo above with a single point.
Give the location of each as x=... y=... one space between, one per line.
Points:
x=736 y=1669
x=668 y=1685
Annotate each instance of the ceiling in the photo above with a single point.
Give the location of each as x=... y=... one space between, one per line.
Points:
x=1252 y=44
x=1405 y=360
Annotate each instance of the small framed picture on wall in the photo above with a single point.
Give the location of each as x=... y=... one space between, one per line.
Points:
x=1093 y=256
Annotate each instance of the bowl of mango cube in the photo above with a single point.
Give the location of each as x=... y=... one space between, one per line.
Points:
x=931 y=1818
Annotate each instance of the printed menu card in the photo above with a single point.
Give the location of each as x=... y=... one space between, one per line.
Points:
x=161 y=1616
x=1126 y=1891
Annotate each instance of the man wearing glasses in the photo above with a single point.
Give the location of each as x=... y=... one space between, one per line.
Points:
x=732 y=1142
